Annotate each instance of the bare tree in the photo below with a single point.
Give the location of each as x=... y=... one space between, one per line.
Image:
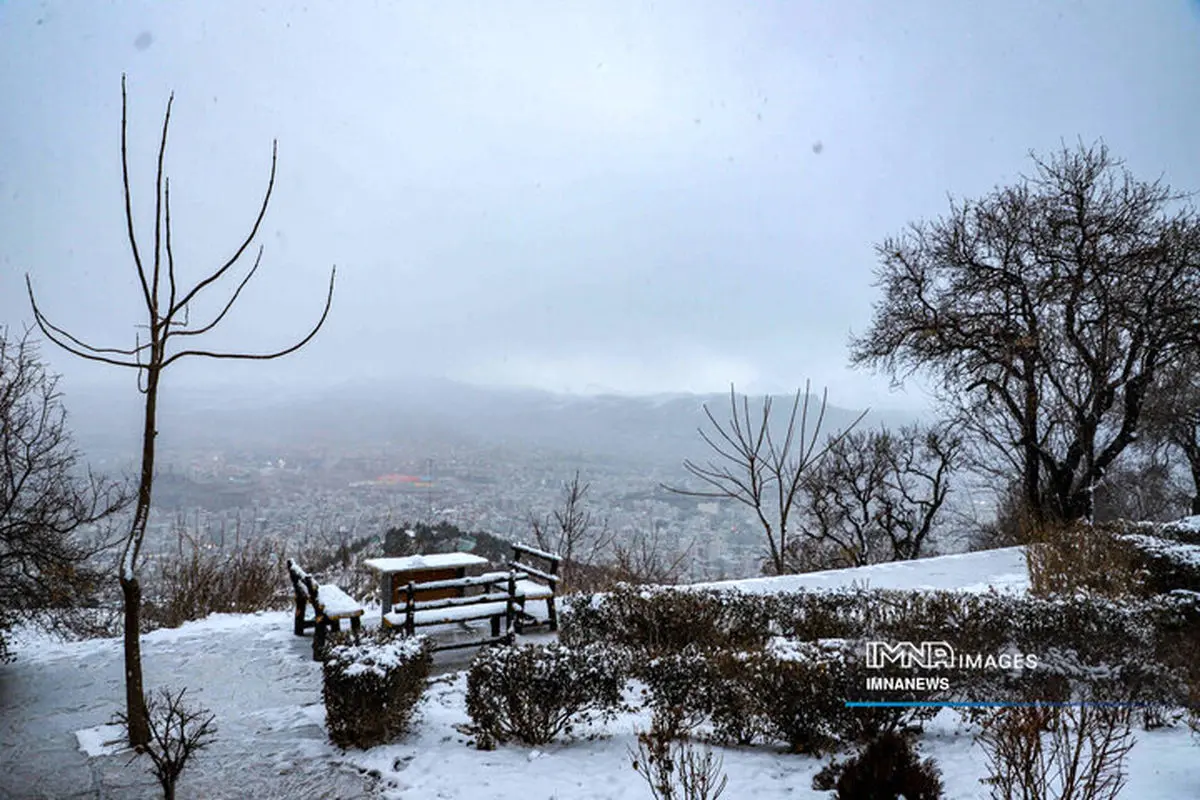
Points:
x=168 y=328
x=568 y=530
x=47 y=507
x=1044 y=312
x=761 y=470
x=177 y=732
x=877 y=495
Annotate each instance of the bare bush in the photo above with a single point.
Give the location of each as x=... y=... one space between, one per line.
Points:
x=675 y=769
x=1069 y=558
x=1046 y=752
x=643 y=558
x=210 y=581
x=177 y=732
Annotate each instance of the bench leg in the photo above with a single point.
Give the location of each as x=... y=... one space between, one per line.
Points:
x=355 y=624
x=552 y=613
x=319 y=640
x=495 y=627
x=301 y=607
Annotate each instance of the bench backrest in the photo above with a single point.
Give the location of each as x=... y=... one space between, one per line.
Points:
x=305 y=586
x=536 y=564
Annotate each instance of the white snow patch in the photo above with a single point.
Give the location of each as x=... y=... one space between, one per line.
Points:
x=102 y=740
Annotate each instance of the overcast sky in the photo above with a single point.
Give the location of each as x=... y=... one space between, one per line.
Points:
x=630 y=196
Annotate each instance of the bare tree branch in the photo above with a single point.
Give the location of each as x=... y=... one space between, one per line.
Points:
x=216 y=275
x=755 y=462
x=265 y=356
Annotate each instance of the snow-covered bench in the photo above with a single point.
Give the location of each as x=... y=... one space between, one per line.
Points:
x=538 y=581
x=498 y=602
x=330 y=606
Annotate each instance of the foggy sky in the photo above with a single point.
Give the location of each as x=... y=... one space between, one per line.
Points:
x=627 y=196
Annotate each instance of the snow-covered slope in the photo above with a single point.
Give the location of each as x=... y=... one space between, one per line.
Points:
x=260 y=681
x=976 y=572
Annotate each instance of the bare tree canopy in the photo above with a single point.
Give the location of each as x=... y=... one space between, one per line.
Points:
x=1044 y=312
x=48 y=502
x=761 y=469
x=878 y=495
x=168 y=331
x=1173 y=417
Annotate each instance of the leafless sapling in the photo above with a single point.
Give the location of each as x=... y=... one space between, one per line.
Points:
x=570 y=531
x=169 y=330
x=761 y=470
x=177 y=732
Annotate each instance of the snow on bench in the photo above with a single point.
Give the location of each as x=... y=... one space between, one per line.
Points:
x=330 y=605
x=502 y=603
x=337 y=604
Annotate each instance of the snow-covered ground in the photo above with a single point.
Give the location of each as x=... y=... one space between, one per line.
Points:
x=260 y=681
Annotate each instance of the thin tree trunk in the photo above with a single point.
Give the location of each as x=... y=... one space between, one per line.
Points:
x=135 y=698
x=1034 y=502
x=1195 y=487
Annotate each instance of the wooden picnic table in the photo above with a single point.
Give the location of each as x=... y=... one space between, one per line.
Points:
x=395 y=573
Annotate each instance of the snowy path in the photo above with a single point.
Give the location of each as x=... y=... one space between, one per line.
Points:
x=251 y=671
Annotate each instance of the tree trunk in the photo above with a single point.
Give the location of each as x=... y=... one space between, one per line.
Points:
x=135 y=696
x=1032 y=479
x=135 y=699
x=1193 y=456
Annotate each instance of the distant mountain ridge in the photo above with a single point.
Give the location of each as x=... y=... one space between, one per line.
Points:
x=655 y=429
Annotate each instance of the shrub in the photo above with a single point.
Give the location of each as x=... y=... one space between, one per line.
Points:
x=1042 y=752
x=1167 y=564
x=1186 y=530
x=680 y=688
x=675 y=769
x=533 y=693
x=202 y=582
x=886 y=768
x=736 y=707
x=798 y=685
x=177 y=731
x=1077 y=557
x=371 y=688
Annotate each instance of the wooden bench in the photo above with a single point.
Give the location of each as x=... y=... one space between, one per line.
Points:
x=330 y=606
x=498 y=603
x=538 y=581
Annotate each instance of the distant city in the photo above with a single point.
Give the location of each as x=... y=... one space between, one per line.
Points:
x=356 y=463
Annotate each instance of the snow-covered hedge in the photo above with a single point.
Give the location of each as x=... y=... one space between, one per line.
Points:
x=687 y=643
x=667 y=619
x=790 y=691
x=663 y=621
x=1168 y=563
x=371 y=688
x=534 y=693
